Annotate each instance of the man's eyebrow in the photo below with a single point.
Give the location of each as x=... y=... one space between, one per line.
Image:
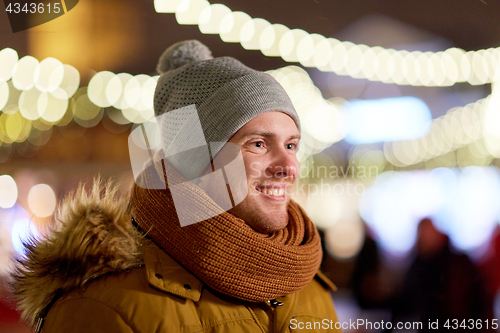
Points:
x=257 y=133
x=269 y=134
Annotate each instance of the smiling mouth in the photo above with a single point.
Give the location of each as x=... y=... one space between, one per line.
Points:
x=273 y=192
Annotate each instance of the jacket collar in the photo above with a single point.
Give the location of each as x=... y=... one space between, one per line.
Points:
x=165 y=274
x=325 y=282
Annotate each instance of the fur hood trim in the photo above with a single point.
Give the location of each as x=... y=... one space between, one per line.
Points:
x=92 y=235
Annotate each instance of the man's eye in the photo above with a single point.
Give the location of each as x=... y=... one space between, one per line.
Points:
x=258 y=144
x=290 y=146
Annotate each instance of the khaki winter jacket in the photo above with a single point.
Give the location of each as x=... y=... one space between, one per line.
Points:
x=163 y=297
x=113 y=281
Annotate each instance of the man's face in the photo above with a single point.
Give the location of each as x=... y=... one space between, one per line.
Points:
x=268 y=144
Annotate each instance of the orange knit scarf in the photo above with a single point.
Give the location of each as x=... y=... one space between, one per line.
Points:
x=224 y=252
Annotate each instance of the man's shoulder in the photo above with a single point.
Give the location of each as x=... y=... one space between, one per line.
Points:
x=317 y=293
x=158 y=296
x=92 y=237
x=124 y=300
x=125 y=293
x=161 y=293
x=114 y=287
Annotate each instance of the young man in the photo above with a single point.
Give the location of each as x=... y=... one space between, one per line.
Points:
x=253 y=268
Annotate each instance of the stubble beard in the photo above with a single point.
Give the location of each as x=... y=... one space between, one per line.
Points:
x=262 y=216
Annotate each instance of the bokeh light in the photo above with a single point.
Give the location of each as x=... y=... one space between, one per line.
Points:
x=70 y=81
x=4 y=94
x=136 y=116
x=117 y=116
x=459 y=127
x=8 y=61
x=389 y=66
x=323 y=205
x=465 y=66
x=368 y=67
x=344 y=239
x=269 y=40
x=86 y=113
x=96 y=89
x=354 y=60
x=451 y=59
x=323 y=52
x=470 y=215
x=24 y=73
x=322 y=118
x=464 y=204
x=385 y=119
x=53 y=105
x=230 y=26
x=397 y=76
x=480 y=68
x=23 y=230
x=306 y=48
x=166 y=6
x=137 y=91
x=289 y=42
x=28 y=104
x=17 y=127
x=12 y=104
x=323 y=122
x=49 y=74
x=251 y=32
x=115 y=90
x=8 y=191
x=338 y=59
x=42 y=200
x=148 y=92
x=188 y=11
x=211 y=17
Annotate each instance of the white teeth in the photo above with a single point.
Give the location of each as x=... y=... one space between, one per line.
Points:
x=272 y=192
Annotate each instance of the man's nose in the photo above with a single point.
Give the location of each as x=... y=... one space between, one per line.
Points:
x=284 y=164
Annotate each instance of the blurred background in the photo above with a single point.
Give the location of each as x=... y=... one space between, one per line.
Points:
x=400 y=106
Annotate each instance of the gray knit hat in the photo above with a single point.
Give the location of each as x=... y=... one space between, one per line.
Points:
x=226 y=94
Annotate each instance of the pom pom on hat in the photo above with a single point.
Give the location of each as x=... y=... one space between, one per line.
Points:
x=183 y=53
